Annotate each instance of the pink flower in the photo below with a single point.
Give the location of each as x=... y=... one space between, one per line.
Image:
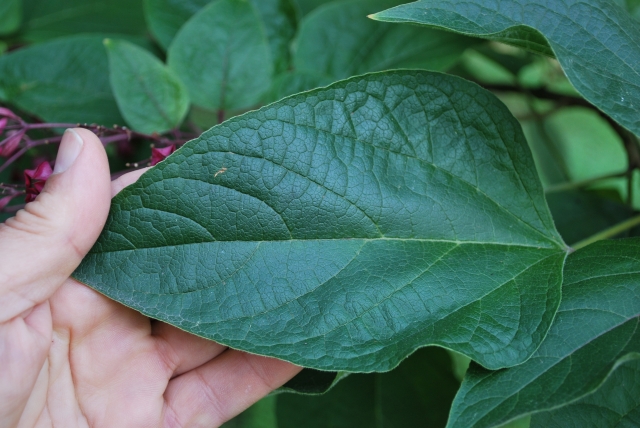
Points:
x=5 y=112
x=158 y=155
x=35 y=180
x=3 y=123
x=11 y=143
x=5 y=201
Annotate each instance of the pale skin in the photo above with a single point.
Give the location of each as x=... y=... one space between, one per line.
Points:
x=70 y=357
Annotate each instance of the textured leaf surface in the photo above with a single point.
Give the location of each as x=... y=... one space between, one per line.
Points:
x=595 y=41
x=345 y=227
x=615 y=404
x=222 y=56
x=165 y=17
x=150 y=96
x=418 y=393
x=595 y=330
x=65 y=80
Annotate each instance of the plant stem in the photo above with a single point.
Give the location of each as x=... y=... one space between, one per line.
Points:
x=581 y=184
x=610 y=232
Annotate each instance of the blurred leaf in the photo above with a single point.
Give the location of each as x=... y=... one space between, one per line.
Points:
x=574 y=144
x=150 y=96
x=10 y=16
x=596 y=329
x=222 y=56
x=595 y=41
x=260 y=415
x=307 y=6
x=48 y=19
x=418 y=393
x=579 y=214
x=65 y=80
x=615 y=404
x=343 y=228
x=485 y=70
x=279 y=19
x=588 y=144
x=460 y=364
x=166 y=17
x=338 y=41
x=294 y=82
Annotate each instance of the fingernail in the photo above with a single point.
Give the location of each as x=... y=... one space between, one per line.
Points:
x=70 y=148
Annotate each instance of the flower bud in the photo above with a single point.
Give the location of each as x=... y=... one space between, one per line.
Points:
x=158 y=155
x=35 y=179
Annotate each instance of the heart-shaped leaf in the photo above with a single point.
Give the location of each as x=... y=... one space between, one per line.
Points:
x=222 y=56
x=595 y=41
x=149 y=95
x=343 y=228
x=597 y=328
x=166 y=17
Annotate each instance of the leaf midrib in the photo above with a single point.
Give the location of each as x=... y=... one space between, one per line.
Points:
x=443 y=241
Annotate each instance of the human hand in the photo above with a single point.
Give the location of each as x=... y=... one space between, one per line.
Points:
x=71 y=357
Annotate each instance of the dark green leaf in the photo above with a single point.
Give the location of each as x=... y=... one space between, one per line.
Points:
x=616 y=404
x=65 y=80
x=10 y=16
x=416 y=394
x=595 y=41
x=338 y=41
x=596 y=329
x=278 y=17
x=150 y=96
x=222 y=56
x=48 y=19
x=342 y=228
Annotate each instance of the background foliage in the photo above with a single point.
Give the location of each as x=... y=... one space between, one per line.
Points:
x=160 y=72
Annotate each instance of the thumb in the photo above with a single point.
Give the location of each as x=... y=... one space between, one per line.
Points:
x=45 y=242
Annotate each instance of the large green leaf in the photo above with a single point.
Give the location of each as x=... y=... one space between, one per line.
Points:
x=48 y=19
x=338 y=41
x=150 y=96
x=596 y=329
x=416 y=394
x=65 y=80
x=10 y=16
x=616 y=404
x=222 y=56
x=165 y=17
x=343 y=228
x=595 y=41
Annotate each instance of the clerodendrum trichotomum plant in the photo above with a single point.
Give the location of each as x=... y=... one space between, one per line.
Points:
x=355 y=209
